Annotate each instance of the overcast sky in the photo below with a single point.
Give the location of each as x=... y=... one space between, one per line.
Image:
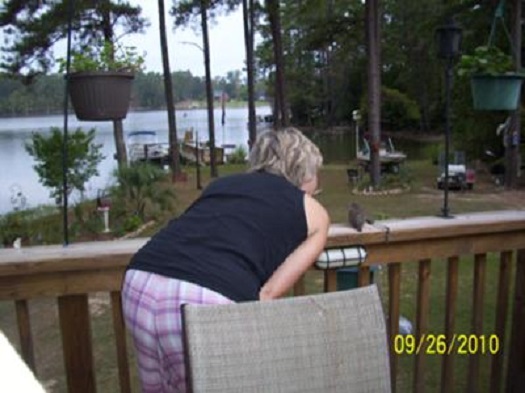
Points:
x=226 y=42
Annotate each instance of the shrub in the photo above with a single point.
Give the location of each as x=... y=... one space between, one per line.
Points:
x=13 y=226
x=398 y=111
x=238 y=156
x=87 y=219
x=83 y=157
x=41 y=225
x=141 y=190
x=132 y=223
x=389 y=181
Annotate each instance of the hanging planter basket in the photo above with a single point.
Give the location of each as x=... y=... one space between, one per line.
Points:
x=496 y=92
x=100 y=95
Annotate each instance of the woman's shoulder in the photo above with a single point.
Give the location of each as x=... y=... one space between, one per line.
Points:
x=316 y=215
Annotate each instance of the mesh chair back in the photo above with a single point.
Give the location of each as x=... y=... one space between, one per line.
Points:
x=333 y=342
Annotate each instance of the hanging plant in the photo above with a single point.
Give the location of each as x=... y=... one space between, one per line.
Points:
x=494 y=81
x=100 y=81
x=487 y=60
x=104 y=57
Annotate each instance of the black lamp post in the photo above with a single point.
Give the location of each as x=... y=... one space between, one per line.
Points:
x=449 y=41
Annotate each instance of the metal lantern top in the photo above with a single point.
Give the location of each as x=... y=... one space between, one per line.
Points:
x=449 y=39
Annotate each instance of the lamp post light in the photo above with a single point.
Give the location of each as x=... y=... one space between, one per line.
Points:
x=449 y=42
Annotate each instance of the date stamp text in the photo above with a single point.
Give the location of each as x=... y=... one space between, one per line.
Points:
x=440 y=344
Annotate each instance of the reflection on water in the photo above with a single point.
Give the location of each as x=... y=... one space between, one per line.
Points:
x=16 y=165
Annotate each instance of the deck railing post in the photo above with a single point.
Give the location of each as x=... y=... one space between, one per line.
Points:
x=120 y=340
x=76 y=343
x=496 y=373
x=423 y=308
x=480 y=262
x=24 y=329
x=447 y=370
x=516 y=363
x=394 y=291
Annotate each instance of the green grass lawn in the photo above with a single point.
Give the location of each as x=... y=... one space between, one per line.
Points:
x=421 y=199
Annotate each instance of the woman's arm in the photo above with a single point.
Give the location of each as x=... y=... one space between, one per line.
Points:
x=298 y=262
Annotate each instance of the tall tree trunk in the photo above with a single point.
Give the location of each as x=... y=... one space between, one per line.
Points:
x=374 y=88
x=107 y=26
x=330 y=99
x=274 y=17
x=209 y=88
x=168 y=90
x=118 y=133
x=118 y=128
x=248 y=21
x=512 y=147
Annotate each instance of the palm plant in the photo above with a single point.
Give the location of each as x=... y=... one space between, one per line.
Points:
x=142 y=191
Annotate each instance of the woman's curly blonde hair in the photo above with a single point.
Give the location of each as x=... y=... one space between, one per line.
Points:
x=287 y=153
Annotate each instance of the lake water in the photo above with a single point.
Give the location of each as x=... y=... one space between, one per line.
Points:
x=16 y=165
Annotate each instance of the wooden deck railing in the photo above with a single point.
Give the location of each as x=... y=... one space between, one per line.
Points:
x=70 y=274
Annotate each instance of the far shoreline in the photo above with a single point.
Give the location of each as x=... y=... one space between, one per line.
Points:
x=181 y=106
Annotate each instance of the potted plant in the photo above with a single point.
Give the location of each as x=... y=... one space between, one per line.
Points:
x=495 y=83
x=100 y=81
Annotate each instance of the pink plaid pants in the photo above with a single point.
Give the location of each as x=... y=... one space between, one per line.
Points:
x=151 y=305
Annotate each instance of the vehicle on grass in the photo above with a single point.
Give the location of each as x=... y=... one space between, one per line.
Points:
x=459 y=178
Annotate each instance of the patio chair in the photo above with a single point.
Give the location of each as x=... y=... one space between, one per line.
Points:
x=333 y=342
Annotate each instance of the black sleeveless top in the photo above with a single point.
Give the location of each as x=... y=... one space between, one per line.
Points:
x=232 y=238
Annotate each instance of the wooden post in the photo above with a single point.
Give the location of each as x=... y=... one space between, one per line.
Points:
x=24 y=330
x=423 y=293
x=516 y=364
x=363 y=276
x=120 y=341
x=330 y=280
x=496 y=372
x=75 y=327
x=447 y=371
x=478 y=293
x=394 y=285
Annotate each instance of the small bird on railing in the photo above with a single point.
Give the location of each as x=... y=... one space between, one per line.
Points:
x=357 y=216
